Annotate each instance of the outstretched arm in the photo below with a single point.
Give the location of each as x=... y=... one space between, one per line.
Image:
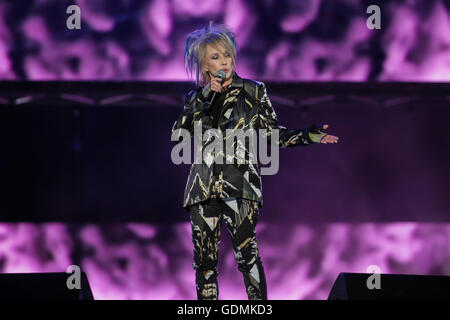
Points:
x=267 y=119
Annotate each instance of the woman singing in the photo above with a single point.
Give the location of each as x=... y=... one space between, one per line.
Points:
x=217 y=191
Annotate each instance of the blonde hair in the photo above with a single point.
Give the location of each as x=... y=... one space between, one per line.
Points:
x=196 y=41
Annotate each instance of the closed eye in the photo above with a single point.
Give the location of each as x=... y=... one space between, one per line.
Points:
x=215 y=57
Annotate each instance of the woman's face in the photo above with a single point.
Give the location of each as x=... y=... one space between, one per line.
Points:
x=216 y=60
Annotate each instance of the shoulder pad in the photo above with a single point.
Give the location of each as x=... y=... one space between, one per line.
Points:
x=191 y=96
x=252 y=87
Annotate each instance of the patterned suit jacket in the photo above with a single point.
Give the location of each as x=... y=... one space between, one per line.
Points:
x=246 y=106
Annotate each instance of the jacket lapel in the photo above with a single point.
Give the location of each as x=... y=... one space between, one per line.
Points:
x=231 y=96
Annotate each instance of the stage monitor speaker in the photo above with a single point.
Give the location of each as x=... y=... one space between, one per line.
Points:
x=355 y=286
x=42 y=286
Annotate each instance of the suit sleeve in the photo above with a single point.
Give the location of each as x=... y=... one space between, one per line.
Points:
x=193 y=110
x=268 y=120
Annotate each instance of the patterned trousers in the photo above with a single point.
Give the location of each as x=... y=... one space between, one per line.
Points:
x=241 y=216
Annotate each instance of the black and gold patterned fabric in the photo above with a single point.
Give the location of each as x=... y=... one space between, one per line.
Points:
x=241 y=217
x=246 y=105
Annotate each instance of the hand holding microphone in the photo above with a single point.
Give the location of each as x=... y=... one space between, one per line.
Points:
x=217 y=81
x=216 y=86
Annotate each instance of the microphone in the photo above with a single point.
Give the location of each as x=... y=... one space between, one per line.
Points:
x=219 y=74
